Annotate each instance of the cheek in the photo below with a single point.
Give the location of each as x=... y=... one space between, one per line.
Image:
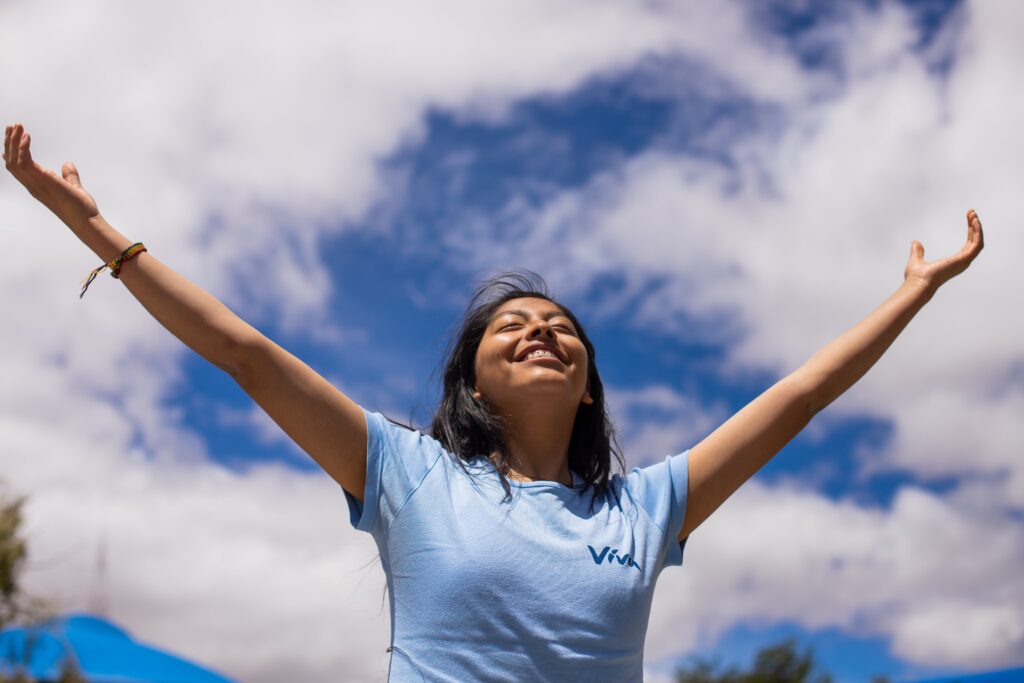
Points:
x=488 y=359
x=581 y=358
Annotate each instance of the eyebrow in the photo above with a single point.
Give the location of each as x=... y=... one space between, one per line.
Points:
x=525 y=314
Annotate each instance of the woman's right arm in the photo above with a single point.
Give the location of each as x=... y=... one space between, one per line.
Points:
x=324 y=422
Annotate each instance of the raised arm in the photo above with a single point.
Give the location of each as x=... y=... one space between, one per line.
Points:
x=731 y=454
x=325 y=423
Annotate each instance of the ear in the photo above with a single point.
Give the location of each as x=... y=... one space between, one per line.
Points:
x=586 y=395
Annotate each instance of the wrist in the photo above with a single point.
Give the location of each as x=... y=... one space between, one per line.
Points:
x=100 y=236
x=919 y=288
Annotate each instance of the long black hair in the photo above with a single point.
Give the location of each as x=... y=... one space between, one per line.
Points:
x=468 y=428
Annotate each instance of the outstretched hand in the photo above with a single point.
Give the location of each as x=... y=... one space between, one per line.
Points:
x=65 y=195
x=933 y=274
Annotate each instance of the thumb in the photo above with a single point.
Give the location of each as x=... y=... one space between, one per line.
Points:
x=70 y=174
x=917 y=249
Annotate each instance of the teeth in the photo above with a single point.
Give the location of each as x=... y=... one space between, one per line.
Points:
x=540 y=353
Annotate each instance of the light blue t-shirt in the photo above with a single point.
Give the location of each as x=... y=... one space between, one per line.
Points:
x=540 y=588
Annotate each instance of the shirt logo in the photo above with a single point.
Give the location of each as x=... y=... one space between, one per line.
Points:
x=625 y=560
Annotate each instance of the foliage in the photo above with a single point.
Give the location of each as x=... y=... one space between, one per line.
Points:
x=12 y=557
x=68 y=676
x=779 y=663
x=15 y=606
x=773 y=664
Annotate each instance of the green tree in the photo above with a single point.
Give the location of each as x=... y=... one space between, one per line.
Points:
x=779 y=663
x=12 y=558
x=15 y=606
x=773 y=664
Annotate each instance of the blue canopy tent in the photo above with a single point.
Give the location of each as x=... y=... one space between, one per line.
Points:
x=98 y=650
x=1005 y=676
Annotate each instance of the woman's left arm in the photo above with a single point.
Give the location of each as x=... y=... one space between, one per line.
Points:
x=731 y=454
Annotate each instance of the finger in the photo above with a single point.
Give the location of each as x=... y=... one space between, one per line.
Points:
x=15 y=144
x=916 y=250
x=25 y=154
x=968 y=251
x=70 y=173
x=973 y=232
x=7 y=142
x=978 y=232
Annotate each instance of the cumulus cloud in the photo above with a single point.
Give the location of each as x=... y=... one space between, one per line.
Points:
x=257 y=574
x=800 y=234
x=655 y=421
x=906 y=572
x=899 y=156
x=810 y=227
x=231 y=139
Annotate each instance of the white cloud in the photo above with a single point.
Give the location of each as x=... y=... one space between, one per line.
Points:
x=885 y=163
x=259 y=575
x=655 y=421
x=785 y=250
x=780 y=554
x=777 y=266
x=230 y=139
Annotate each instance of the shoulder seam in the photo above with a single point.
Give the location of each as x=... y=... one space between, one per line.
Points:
x=373 y=433
x=641 y=506
x=394 y=517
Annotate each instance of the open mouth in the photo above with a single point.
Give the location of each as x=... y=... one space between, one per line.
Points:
x=541 y=353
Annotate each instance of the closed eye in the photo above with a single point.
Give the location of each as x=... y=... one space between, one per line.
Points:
x=564 y=327
x=560 y=328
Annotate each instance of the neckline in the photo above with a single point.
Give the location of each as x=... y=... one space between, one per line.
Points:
x=577 y=480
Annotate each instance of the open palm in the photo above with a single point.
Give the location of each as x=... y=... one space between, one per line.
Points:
x=65 y=195
x=933 y=274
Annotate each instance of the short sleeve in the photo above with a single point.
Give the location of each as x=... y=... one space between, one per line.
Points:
x=397 y=462
x=661 y=490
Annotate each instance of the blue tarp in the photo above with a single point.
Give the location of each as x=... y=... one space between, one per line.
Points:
x=101 y=652
x=1006 y=676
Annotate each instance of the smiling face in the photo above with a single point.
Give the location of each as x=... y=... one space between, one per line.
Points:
x=530 y=349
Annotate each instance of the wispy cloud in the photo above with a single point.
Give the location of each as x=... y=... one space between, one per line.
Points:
x=655 y=421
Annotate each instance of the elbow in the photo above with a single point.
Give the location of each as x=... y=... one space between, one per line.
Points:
x=229 y=368
x=234 y=357
x=810 y=392
x=816 y=407
x=819 y=399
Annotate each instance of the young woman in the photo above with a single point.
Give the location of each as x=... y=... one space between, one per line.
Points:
x=512 y=550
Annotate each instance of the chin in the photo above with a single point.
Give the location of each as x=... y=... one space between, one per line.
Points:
x=549 y=392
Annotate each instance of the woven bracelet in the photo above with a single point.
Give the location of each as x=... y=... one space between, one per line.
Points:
x=115 y=266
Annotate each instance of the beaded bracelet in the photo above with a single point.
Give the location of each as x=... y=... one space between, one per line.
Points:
x=115 y=265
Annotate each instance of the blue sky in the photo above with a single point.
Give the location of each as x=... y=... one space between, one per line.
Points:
x=541 y=147
x=707 y=203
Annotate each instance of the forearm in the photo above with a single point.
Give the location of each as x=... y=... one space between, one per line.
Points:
x=844 y=360
x=188 y=311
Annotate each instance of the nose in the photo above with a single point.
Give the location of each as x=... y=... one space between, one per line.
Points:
x=539 y=327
